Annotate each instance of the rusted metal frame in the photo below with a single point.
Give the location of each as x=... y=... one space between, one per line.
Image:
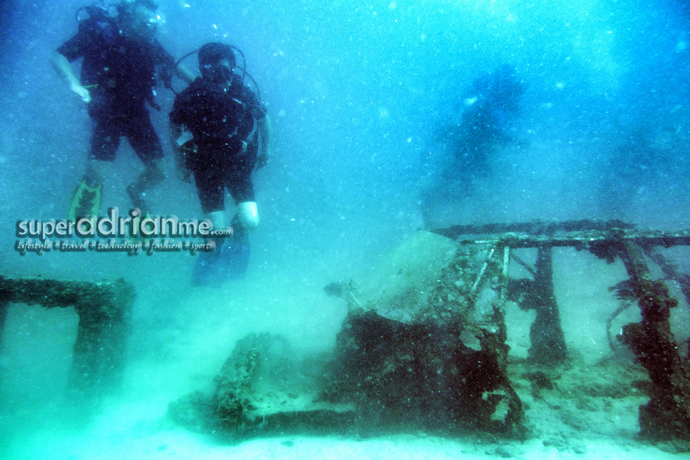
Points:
x=522 y=263
x=503 y=292
x=496 y=340
x=533 y=227
x=667 y=414
x=581 y=240
x=516 y=411
x=609 y=321
x=104 y=310
x=670 y=269
x=546 y=333
x=473 y=290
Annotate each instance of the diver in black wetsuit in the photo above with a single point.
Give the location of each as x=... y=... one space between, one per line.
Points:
x=220 y=132
x=467 y=147
x=120 y=58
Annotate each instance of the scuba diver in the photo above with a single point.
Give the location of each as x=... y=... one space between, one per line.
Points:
x=466 y=148
x=118 y=74
x=220 y=132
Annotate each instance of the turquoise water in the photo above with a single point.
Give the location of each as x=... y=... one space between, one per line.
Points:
x=358 y=94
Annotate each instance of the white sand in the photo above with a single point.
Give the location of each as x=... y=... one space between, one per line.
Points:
x=130 y=432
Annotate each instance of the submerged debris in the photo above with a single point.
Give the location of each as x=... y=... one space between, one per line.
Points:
x=104 y=310
x=261 y=389
x=423 y=346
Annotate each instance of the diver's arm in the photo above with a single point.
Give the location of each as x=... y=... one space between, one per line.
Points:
x=64 y=69
x=265 y=133
x=184 y=73
x=176 y=131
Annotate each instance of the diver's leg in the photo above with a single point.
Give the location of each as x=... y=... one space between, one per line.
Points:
x=234 y=254
x=212 y=198
x=245 y=219
x=248 y=215
x=147 y=145
x=217 y=218
x=97 y=171
x=208 y=269
x=211 y=192
x=153 y=175
x=220 y=228
x=86 y=200
x=239 y=182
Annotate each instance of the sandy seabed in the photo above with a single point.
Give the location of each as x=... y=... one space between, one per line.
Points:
x=563 y=423
x=590 y=413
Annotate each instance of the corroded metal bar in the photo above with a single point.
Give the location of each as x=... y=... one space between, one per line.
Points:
x=667 y=414
x=581 y=240
x=473 y=291
x=671 y=270
x=503 y=295
x=515 y=410
x=539 y=228
x=104 y=313
x=524 y=264
x=504 y=272
x=546 y=333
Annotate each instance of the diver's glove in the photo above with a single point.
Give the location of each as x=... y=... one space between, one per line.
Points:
x=81 y=92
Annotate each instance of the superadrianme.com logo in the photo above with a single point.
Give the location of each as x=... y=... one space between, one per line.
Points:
x=133 y=234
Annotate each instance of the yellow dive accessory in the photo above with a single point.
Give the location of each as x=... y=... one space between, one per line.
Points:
x=86 y=201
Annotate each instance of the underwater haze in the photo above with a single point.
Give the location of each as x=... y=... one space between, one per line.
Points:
x=360 y=95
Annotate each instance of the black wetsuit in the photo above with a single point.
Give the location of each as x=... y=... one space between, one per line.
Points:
x=119 y=73
x=482 y=131
x=224 y=126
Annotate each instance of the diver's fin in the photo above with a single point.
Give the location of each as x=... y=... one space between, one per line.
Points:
x=86 y=201
x=137 y=198
x=220 y=265
x=234 y=258
x=206 y=269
